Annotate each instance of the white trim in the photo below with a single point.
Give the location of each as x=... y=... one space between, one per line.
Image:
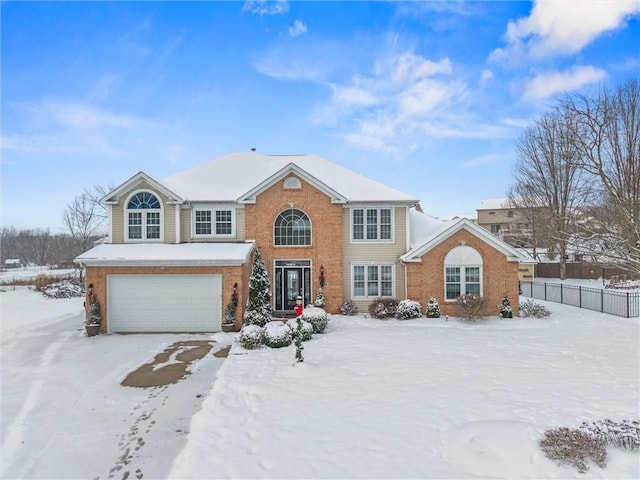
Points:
x=213 y=208
x=372 y=264
x=143 y=224
x=377 y=208
x=250 y=196
x=114 y=195
x=178 y=223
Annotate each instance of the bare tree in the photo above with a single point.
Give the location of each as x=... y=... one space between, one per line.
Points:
x=608 y=130
x=547 y=179
x=85 y=218
x=35 y=246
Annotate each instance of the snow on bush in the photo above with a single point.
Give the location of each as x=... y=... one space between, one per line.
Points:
x=251 y=336
x=277 y=334
x=408 y=309
x=529 y=308
x=504 y=309
x=433 y=309
x=317 y=317
x=63 y=289
x=573 y=447
x=383 y=308
x=625 y=434
x=348 y=308
x=306 y=328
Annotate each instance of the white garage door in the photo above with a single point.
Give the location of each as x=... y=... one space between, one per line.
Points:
x=164 y=303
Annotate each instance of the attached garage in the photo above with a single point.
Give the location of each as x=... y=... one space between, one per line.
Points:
x=164 y=303
x=159 y=288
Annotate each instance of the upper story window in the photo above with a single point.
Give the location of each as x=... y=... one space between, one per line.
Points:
x=463 y=273
x=291 y=228
x=292 y=183
x=144 y=217
x=211 y=222
x=371 y=224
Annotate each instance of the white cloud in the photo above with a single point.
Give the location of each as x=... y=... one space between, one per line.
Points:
x=483 y=160
x=298 y=28
x=266 y=7
x=562 y=27
x=548 y=84
x=486 y=76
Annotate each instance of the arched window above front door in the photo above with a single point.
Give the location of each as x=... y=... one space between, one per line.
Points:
x=143 y=214
x=292 y=227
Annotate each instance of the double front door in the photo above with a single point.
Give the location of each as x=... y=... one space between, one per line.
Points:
x=292 y=279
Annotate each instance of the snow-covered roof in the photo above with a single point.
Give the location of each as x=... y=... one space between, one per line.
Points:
x=493 y=204
x=427 y=232
x=159 y=254
x=232 y=177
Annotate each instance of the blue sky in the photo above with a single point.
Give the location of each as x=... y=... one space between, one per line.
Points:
x=428 y=97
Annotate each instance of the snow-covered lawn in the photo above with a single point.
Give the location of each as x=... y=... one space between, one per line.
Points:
x=373 y=399
x=419 y=399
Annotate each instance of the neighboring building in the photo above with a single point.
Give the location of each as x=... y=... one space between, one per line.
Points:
x=178 y=246
x=12 y=263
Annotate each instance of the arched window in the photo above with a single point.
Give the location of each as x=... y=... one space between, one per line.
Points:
x=144 y=217
x=292 y=227
x=462 y=272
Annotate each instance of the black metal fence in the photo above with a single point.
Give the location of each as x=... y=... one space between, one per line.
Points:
x=614 y=302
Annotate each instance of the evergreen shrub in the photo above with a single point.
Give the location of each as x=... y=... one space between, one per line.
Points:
x=504 y=309
x=433 y=309
x=277 y=335
x=408 y=309
x=251 y=336
x=317 y=317
x=306 y=329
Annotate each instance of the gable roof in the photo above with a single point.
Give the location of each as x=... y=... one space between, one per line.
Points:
x=114 y=195
x=430 y=232
x=238 y=177
x=493 y=204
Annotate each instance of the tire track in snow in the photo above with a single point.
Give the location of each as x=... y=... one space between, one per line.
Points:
x=15 y=432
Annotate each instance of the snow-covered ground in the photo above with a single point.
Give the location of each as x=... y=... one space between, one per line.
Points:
x=420 y=398
x=30 y=273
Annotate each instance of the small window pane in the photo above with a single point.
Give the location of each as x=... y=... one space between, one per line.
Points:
x=135 y=225
x=372 y=224
x=223 y=222
x=203 y=222
x=453 y=291
x=372 y=281
x=358 y=224
x=385 y=224
x=358 y=281
x=386 y=282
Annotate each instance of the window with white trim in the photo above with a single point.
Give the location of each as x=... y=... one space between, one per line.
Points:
x=212 y=222
x=292 y=227
x=372 y=281
x=462 y=273
x=143 y=214
x=371 y=225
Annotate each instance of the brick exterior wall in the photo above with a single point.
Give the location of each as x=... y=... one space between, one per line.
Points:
x=326 y=241
x=426 y=279
x=98 y=277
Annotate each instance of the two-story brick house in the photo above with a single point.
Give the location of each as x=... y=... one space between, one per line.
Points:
x=179 y=246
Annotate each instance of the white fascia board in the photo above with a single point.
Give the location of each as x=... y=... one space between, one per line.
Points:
x=250 y=196
x=160 y=263
x=511 y=253
x=113 y=196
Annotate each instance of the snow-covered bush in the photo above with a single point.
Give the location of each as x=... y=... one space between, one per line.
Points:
x=348 y=308
x=573 y=447
x=471 y=307
x=433 y=309
x=258 y=310
x=251 y=336
x=306 y=329
x=504 y=309
x=383 y=308
x=319 y=301
x=408 y=309
x=317 y=317
x=62 y=289
x=277 y=335
x=625 y=434
x=529 y=308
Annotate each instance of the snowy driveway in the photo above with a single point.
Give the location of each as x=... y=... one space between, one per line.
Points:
x=64 y=413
